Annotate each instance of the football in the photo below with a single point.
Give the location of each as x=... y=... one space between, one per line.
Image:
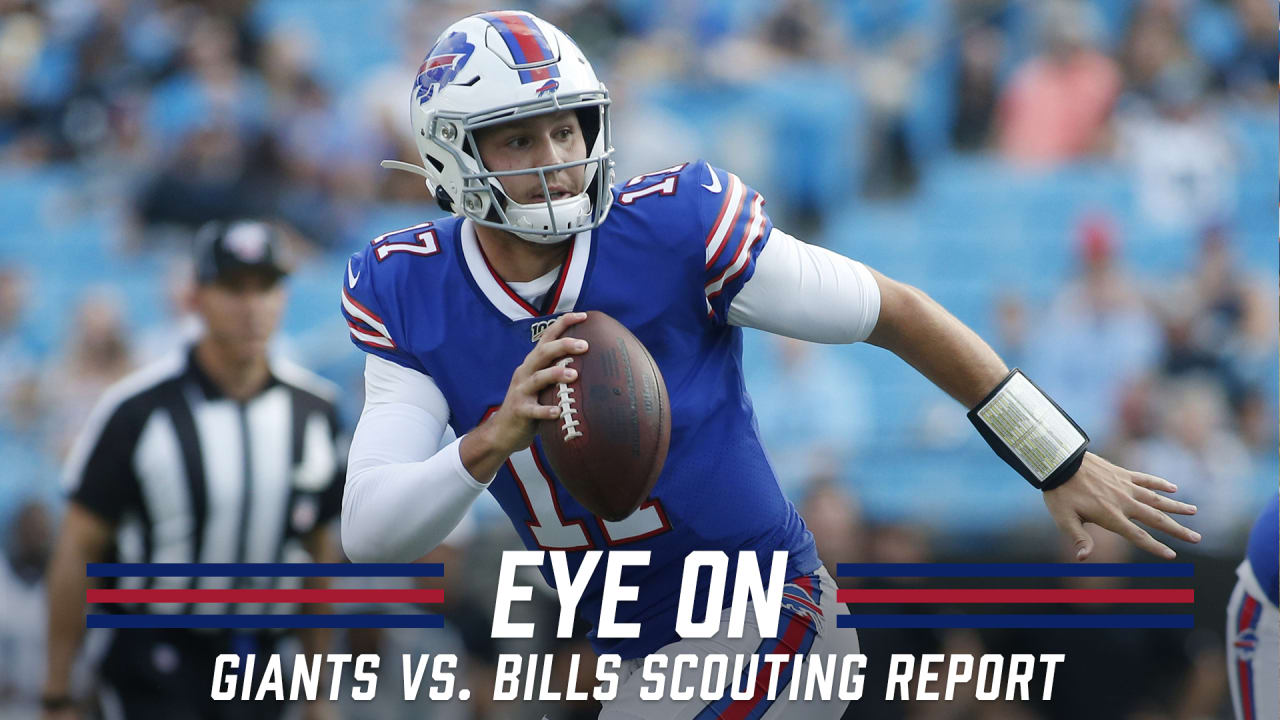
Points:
x=610 y=442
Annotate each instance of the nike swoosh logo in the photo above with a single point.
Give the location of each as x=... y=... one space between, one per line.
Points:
x=715 y=181
x=351 y=279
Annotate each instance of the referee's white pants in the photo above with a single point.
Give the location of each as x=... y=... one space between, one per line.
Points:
x=803 y=632
x=1253 y=649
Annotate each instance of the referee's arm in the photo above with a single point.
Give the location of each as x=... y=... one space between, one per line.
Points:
x=83 y=538
x=102 y=486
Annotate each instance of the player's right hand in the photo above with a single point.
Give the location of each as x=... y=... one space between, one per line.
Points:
x=513 y=425
x=1112 y=497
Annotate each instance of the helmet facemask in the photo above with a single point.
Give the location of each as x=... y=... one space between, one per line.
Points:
x=549 y=221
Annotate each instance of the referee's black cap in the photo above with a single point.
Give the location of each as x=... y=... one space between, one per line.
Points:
x=224 y=249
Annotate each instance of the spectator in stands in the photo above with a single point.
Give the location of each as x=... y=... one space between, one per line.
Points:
x=206 y=179
x=1012 y=327
x=211 y=86
x=1255 y=422
x=208 y=121
x=17 y=361
x=976 y=87
x=1135 y=419
x=1184 y=168
x=834 y=516
x=814 y=410
x=23 y=36
x=1058 y=104
x=597 y=26
x=180 y=325
x=29 y=539
x=1235 y=314
x=1154 y=44
x=1196 y=450
x=97 y=355
x=893 y=45
x=1100 y=310
x=320 y=160
x=1253 y=70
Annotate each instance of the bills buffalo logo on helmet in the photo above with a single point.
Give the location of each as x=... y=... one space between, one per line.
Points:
x=442 y=65
x=549 y=86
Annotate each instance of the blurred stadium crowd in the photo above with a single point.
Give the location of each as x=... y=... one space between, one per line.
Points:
x=1089 y=184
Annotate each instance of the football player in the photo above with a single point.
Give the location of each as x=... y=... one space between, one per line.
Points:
x=1253 y=622
x=463 y=321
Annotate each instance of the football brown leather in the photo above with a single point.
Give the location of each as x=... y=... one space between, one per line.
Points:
x=610 y=442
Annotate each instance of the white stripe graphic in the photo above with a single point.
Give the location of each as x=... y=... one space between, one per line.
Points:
x=734 y=203
x=365 y=337
x=744 y=252
x=363 y=316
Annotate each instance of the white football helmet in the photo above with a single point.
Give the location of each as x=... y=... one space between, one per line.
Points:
x=490 y=69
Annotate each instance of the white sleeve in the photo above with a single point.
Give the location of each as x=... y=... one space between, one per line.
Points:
x=404 y=492
x=807 y=292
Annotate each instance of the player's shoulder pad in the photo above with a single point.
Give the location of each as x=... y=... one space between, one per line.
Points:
x=669 y=198
x=681 y=179
x=730 y=213
x=697 y=198
x=376 y=274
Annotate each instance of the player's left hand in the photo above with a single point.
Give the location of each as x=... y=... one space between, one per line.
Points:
x=1113 y=498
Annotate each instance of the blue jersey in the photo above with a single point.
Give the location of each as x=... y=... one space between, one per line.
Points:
x=676 y=248
x=1264 y=550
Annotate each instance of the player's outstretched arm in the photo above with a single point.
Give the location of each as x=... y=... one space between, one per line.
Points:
x=920 y=331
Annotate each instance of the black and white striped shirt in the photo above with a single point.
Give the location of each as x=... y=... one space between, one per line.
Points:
x=187 y=474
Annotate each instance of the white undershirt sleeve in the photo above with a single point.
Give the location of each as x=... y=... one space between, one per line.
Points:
x=807 y=292
x=404 y=492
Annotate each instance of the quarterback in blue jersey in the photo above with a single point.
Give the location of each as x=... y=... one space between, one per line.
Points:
x=463 y=321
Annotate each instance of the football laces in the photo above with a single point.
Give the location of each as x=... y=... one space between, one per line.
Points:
x=568 y=409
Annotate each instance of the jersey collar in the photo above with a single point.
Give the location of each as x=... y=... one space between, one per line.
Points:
x=562 y=296
x=212 y=391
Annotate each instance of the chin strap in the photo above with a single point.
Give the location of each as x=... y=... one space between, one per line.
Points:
x=407 y=167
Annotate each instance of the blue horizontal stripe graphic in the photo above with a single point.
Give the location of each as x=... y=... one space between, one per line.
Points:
x=1015 y=570
x=1015 y=621
x=294 y=622
x=264 y=570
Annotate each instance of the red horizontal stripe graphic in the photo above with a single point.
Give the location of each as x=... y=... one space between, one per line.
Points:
x=1018 y=595
x=302 y=595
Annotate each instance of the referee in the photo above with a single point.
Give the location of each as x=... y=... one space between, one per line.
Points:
x=214 y=454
